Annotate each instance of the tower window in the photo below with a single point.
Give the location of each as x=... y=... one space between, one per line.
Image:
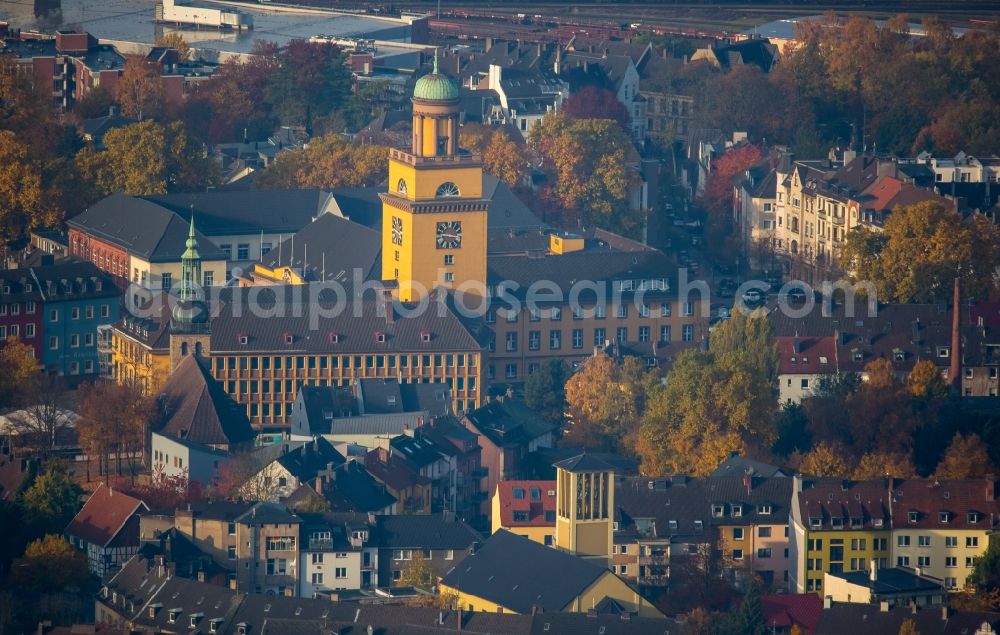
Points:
x=401 y=186
x=447 y=189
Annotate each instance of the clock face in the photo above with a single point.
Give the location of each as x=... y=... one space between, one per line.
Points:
x=397 y=231
x=449 y=235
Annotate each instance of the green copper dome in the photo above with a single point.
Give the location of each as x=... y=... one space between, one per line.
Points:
x=436 y=86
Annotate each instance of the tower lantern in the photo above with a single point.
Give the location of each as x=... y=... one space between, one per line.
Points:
x=585 y=506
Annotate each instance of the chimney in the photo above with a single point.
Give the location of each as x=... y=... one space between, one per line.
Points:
x=873 y=570
x=944 y=613
x=827 y=601
x=489 y=43
x=319 y=485
x=883 y=606
x=390 y=314
x=991 y=493
x=956 y=342
x=459 y=618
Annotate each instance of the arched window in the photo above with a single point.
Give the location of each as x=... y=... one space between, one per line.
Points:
x=401 y=186
x=447 y=189
x=197 y=349
x=184 y=349
x=795 y=247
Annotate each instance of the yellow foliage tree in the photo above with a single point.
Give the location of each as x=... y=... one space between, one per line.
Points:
x=175 y=41
x=329 y=161
x=49 y=564
x=601 y=404
x=21 y=198
x=18 y=373
x=966 y=457
x=877 y=465
x=504 y=159
x=825 y=460
x=925 y=380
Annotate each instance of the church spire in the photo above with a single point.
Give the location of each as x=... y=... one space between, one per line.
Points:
x=190 y=265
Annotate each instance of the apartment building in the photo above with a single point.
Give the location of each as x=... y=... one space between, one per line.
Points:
x=526 y=508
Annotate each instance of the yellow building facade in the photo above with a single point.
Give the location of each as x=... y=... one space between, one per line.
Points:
x=585 y=506
x=434 y=224
x=525 y=508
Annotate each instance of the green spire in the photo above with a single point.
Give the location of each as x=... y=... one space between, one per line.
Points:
x=192 y=243
x=190 y=266
x=435 y=61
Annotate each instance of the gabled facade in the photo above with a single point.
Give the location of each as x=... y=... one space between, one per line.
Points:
x=106 y=530
x=526 y=508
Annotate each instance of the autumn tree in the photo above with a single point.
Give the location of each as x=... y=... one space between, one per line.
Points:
x=925 y=381
x=22 y=203
x=715 y=402
x=876 y=465
x=175 y=41
x=592 y=102
x=966 y=457
x=140 y=90
x=308 y=83
x=604 y=401
x=825 y=460
x=545 y=390
x=474 y=137
x=18 y=373
x=146 y=158
x=243 y=477
x=418 y=573
x=112 y=427
x=908 y=627
x=162 y=490
x=52 y=500
x=329 y=161
x=591 y=180
x=50 y=563
x=505 y=159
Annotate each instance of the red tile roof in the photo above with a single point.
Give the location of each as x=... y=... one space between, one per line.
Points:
x=103 y=516
x=816 y=355
x=801 y=609
x=957 y=498
x=546 y=502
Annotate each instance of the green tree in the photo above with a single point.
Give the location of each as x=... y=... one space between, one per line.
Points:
x=309 y=82
x=792 y=426
x=52 y=500
x=545 y=390
x=50 y=564
x=749 y=617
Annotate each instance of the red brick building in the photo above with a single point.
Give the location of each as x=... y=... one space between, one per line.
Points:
x=106 y=256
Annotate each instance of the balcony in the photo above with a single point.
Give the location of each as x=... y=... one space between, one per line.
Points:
x=653 y=559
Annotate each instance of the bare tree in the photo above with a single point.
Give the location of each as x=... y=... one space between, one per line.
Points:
x=245 y=476
x=37 y=428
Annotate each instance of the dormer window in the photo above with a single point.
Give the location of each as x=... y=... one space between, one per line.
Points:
x=877 y=522
x=943 y=351
x=672 y=524
x=973 y=518
x=837 y=523
x=173 y=614
x=425 y=336
x=815 y=521
x=241 y=629
x=333 y=338
x=944 y=517
x=737 y=511
x=717 y=511
x=244 y=340
x=289 y=338
x=213 y=626
x=856 y=521
x=912 y=517
x=699 y=525
x=764 y=510
x=193 y=619
x=380 y=337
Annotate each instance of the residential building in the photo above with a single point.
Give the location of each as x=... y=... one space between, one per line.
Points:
x=462 y=446
x=411 y=489
x=875 y=619
x=941 y=527
x=331 y=553
x=618 y=73
x=196 y=425
x=146 y=597
x=106 y=529
x=897 y=586
x=526 y=508
x=837 y=526
x=21 y=311
x=754 y=207
x=508 y=431
x=258 y=545
x=851 y=335
x=348 y=487
x=139 y=345
x=785 y=611
x=295 y=466
x=758 y=52
x=441 y=540
x=669 y=109
x=513 y=574
x=803 y=362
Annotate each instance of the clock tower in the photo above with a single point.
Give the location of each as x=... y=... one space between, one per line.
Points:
x=434 y=214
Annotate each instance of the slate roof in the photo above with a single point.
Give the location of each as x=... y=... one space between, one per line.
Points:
x=737 y=466
x=507 y=423
x=387 y=424
x=154 y=330
x=392 y=471
x=614 y=67
x=319 y=400
x=891 y=581
x=268 y=514
x=535 y=509
x=958 y=498
x=356 y=326
x=869 y=619
x=354 y=490
x=518 y=574
x=235 y=212
x=759 y=52
x=332 y=246
x=584 y=463
x=142 y=227
x=193 y=406
x=103 y=516
x=806 y=355
x=426 y=531
x=826 y=499
x=307 y=461
x=417 y=453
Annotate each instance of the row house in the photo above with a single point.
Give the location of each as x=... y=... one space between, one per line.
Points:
x=106 y=529
x=59 y=308
x=936 y=527
x=851 y=335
